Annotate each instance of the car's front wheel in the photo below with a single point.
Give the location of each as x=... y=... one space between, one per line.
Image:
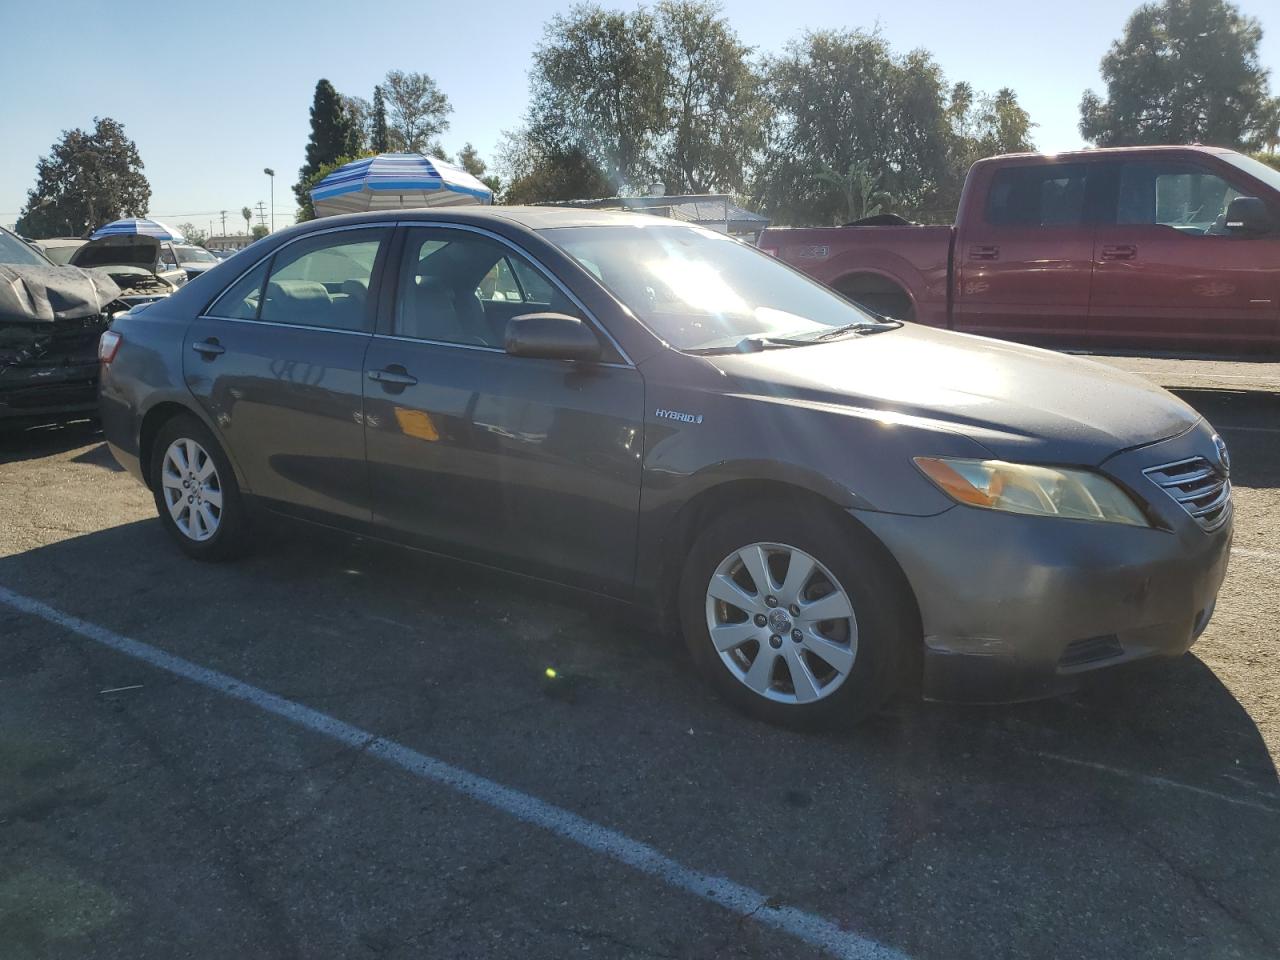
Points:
x=792 y=617
x=196 y=492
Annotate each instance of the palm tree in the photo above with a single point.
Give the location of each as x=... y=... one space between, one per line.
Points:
x=248 y=218
x=861 y=188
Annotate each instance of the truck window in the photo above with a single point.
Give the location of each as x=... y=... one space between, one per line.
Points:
x=1039 y=196
x=1186 y=198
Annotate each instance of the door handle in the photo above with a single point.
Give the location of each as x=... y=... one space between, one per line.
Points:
x=208 y=348
x=1120 y=251
x=984 y=251
x=395 y=376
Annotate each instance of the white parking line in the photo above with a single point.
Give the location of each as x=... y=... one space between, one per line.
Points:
x=742 y=901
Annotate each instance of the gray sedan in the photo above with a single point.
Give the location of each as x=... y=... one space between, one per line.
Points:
x=822 y=501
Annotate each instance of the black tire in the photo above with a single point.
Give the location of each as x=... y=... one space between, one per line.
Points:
x=230 y=538
x=882 y=608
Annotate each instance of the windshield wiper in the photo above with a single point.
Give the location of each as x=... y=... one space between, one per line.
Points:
x=750 y=345
x=862 y=326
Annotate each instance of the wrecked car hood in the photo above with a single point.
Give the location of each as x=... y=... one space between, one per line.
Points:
x=46 y=294
x=131 y=250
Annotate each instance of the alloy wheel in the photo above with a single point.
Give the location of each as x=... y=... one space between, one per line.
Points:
x=192 y=489
x=781 y=623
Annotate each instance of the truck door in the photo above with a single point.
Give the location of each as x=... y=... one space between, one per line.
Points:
x=1169 y=272
x=1024 y=257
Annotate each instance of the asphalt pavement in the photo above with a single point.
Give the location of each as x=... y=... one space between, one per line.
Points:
x=337 y=749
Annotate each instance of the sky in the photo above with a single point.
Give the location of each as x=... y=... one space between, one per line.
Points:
x=212 y=93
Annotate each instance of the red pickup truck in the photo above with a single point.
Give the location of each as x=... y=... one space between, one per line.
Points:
x=1172 y=248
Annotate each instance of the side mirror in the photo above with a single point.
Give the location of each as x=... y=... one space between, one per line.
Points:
x=552 y=336
x=1247 y=215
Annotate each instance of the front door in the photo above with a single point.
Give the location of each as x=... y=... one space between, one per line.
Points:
x=278 y=365
x=1169 y=273
x=1023 y=266
x=524 y=463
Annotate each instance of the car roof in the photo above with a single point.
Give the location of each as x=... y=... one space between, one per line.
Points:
x=1092 y=152
x=531 y=218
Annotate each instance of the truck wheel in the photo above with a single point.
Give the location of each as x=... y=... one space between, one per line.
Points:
x=791 y=619
x=195 y=490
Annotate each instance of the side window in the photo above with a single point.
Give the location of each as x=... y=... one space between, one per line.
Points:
x=323 y=281
x=537 y=288
x=461 y=287
x=1174 y=195
x=240 y=301
x=1039 y=196
x=167 y=259
x=500 y=284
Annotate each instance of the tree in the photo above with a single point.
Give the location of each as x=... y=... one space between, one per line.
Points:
x=861 y=188
x=469 y=160
x=711 y=98
x=597 y=86
x=379 y=135
x=87 y=179
x=259 y=231
x=333 y=135
x=981 y=126
x=1185 y=71
x=248 y=218
x=539 y=170
x=194 y=234
x=361 y=113
x=664 y=93
x=1269 y=126
x=417 y=110
x=844 y=101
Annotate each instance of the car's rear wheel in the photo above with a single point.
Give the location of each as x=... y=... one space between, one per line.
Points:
x=794 y=618
x=196 y=492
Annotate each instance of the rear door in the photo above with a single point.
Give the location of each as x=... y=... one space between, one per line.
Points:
x=531 y=464
x=1025 y=260
x=1167 y=271
x=278 y=364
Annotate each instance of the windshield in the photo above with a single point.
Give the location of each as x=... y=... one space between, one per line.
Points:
x=1255 y=168
x=61 y=255
x=195 y=255
x=13 y=250
x=699 y=289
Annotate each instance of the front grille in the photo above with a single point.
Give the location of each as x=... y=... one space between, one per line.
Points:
x=1199 y=488
x=1090 y=650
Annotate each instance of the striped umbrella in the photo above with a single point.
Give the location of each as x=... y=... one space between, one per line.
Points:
x=138 y=226
x=396 y=181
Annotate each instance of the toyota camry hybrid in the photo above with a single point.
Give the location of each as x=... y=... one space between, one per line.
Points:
x=822 y=500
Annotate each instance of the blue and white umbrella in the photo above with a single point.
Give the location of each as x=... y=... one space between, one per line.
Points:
x=138 y=226
x=396 y=181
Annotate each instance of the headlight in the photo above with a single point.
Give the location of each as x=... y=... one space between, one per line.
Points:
x=1022 y=488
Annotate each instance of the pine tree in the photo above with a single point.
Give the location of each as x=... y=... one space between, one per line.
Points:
x=333 y=136
x=379 y=141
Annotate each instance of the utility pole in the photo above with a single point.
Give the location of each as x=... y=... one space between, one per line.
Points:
x=224 y=223
x=262 y=214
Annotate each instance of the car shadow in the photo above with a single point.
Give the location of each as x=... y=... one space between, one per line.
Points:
x=1170 y=718
x=31 y=443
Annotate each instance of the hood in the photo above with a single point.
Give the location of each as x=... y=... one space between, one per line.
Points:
x=48 y=294
x=1021 y=403
x=131 y=250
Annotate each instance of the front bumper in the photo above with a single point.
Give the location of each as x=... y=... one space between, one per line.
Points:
x=1018 y=607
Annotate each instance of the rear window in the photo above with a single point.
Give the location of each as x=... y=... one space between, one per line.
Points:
x=1039 y=196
